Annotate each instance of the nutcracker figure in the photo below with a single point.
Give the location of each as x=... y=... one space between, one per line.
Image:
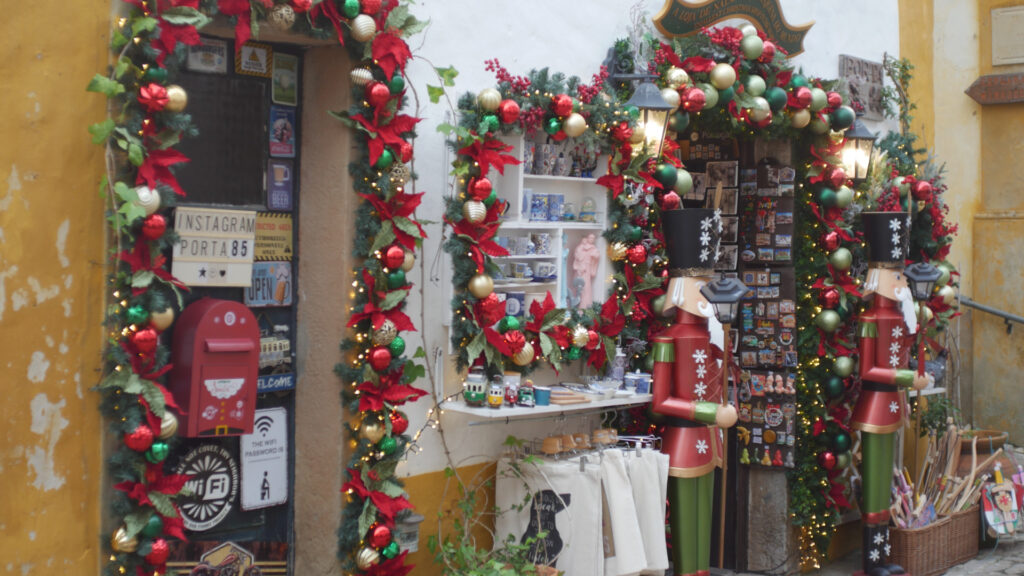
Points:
x=886 y=338
x=687 y=386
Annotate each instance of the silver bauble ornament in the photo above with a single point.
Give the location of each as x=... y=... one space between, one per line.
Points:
x=168 y=425
x=360 y=76
x=489 y=99
x=844 y=197
x=148 y=199
x=684 y=183
x=710 y=95
x=723 y=76
x=944 y=275
x=818 y=99
x=828 y=320
x=947 y=293
x=671 y=97
x=363 y=28
x=748 y=30
x=580 y=336
x=755 y=85
x=800 y=119
x=752 y=46
x=367 y=558
x=843 y=366
x=475 y=211
x=760 y=109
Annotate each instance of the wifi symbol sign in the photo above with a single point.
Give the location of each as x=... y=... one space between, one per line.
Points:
x=264 y=424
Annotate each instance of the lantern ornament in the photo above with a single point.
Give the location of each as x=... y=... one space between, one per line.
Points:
x=724 y=295
x=654 y=113
x=857 y=150
x=922 y=277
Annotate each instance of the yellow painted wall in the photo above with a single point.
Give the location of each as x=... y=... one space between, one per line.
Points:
x=51 y=280
x=916 y=24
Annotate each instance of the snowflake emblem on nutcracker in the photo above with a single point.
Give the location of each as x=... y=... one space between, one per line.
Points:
x=704 y=255
x=702 y=447
x=705 y=238
x=894 y=408
x=879 y=539
x=888 y=549
x=894 y=360
x=701 y=371
x=718 y=220
x=896 y=238
x=894 y=347
x=700 y=356
x=897 y=253
x=700 y=389
x=894 y=225
x=897 y=332
x=705 y=224
x=875 y=555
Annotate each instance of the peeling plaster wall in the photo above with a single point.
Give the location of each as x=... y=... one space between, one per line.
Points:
x=51 y=287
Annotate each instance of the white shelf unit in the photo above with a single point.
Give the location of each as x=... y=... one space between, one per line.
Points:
x=514 y=187
x=553 y=410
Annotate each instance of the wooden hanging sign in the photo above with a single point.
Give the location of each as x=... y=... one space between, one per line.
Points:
x=997 y=89
x=681 y=18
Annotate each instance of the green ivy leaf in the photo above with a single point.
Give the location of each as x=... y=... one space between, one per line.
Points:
x=447 y=75
x=435 y=93
x=368 y=517
x=384 y=237
x=131 y=211
x=397 y=17
x=184 y=16
x=420 y=352
x=142 y=279
x=163 y=504
x=391 y=489
x=135 y=521
x=407 y=226
x=414 y=26
x=145 y=24
x=101 y=131
x=394 y=298
x=475 y=346
x=155 y=397
x=105 y=86
x=136 y=154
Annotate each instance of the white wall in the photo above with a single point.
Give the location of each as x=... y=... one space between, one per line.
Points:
x=569 y=36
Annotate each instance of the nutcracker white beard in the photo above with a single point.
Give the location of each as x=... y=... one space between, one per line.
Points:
x=697 y=305
x=892 y=284
x=906 y=300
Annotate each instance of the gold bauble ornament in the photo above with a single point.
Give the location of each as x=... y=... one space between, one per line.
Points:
x=409 y=261
x=671 y=97
x=638 y=135
x=676 y=77
x=947 y=293
x=723 y=76
x=836 y=137
x=475 y=211
x=122 y=542
x=148 y=199
x=281 y=17
x=168 y=425
x=574 y=125
x=400 y=174
x=489 y=99
x=617 y=251
x=363 y=28
x=923 y=308
x=367 y=558
x=800 y=118
x=162 y=320
x=760 y=109
x=385 y=334
x=372 y=430
x=481 y=286
x=580 y=336
x=360 y=76
x=524 y=356
x=177 y=98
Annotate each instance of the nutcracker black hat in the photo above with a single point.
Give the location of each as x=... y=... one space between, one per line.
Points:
x=888 y=238
x=691 y=240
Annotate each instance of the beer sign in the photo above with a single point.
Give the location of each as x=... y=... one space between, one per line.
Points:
x=271 y=285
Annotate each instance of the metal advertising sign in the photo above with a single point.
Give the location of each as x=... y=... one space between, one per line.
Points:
x=265 y=461
x=273 y=236
x=866 y=83
x=212 y=488
x=271 y=285
x=194 y=558
x=997 y=89
x=215 y=246
x=680 y=18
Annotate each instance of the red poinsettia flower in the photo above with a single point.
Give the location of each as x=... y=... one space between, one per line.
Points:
x=372 y=397
x=141 y=258
x=480 y=238
x=608 y=324
x=155 y=169
x=390 y=52
x=377 y=315
x=490 y=152
x=387 y=506
x=399 y=209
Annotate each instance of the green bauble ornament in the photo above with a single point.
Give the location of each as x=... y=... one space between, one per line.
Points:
x=820 y=123
x=396 y=279
x=397 y=347
x=833 y=387
x=710 y=95
x=552 y=126
x=493 y=123
x=633 y=112
x=841 y=259
x=841 y=442
x=385 y=160
x=158 y=452
x=776 y=97
x=658 y=304
x=752 y=47
x=844 y=197
x=573 y=353
x=755 y=85
x=842 y=461
x=827 y=197
x=350 y=9
x=844 y=312
x=396 y=84
x=679 y=121
x=388 y=445
x=649 y=363
x=155 y=74
x=725 y=96
x=390 y=551
x=797 y=81
x=944 y=275
x=491 y=198
x=508 y=323
x=818 y=99
x=154 y=527
x=136 y=315
x=843 y=117
x=827 y=320
x=843 y=366
x=634 y=233
x=684 y=183
x=666 y=175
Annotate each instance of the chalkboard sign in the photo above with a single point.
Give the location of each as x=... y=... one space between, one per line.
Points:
x=228 y=158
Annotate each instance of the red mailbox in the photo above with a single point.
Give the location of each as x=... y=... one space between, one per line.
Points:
x=216 y=353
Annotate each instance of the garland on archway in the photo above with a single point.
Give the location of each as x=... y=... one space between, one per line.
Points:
x=147 y=119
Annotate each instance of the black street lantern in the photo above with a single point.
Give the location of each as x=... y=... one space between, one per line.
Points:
x=725 y=295
x=922 y=277
x=857 y=150
x=654 y=113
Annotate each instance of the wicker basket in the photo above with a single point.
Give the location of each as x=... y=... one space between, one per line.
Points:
x=963 y=535
x=921 y=551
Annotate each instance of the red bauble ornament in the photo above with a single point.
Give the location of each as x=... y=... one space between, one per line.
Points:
x=831 y=241
x=399 y=423
x=508 y=111
x=802 y=95
x=837 y=177
x=302 y=6
x=559 y=136
x=637 y=254
x=765 y=122
x=394 y=256
x=489 y=310
x=405 y=152
x=377 y=93
x=145 y=341
x=370 y=7
x=835 y=100
x=515 y=340
x=154 y=226
x=829 y=298
x=593 y=339
x=139 y=439
x=827 y=460
x=670 y=201
x=379 y=537
x=694 y=99
x=480 y=188
x=380 y=358
x=153 y=97
x=561 y=105
x=922 y=190
x=158 y=555
x=768 y=53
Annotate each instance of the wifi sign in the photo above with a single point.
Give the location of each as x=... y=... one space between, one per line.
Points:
x=264 y=424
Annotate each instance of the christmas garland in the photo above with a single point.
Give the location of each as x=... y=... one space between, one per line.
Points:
x=147 y=120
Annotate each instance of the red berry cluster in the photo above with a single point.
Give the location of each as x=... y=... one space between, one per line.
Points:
x=727 y=37
x=587 y=93
x=517 y=84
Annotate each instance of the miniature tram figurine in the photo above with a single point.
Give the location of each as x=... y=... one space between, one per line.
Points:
x=886 y=331
x=687 y=387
